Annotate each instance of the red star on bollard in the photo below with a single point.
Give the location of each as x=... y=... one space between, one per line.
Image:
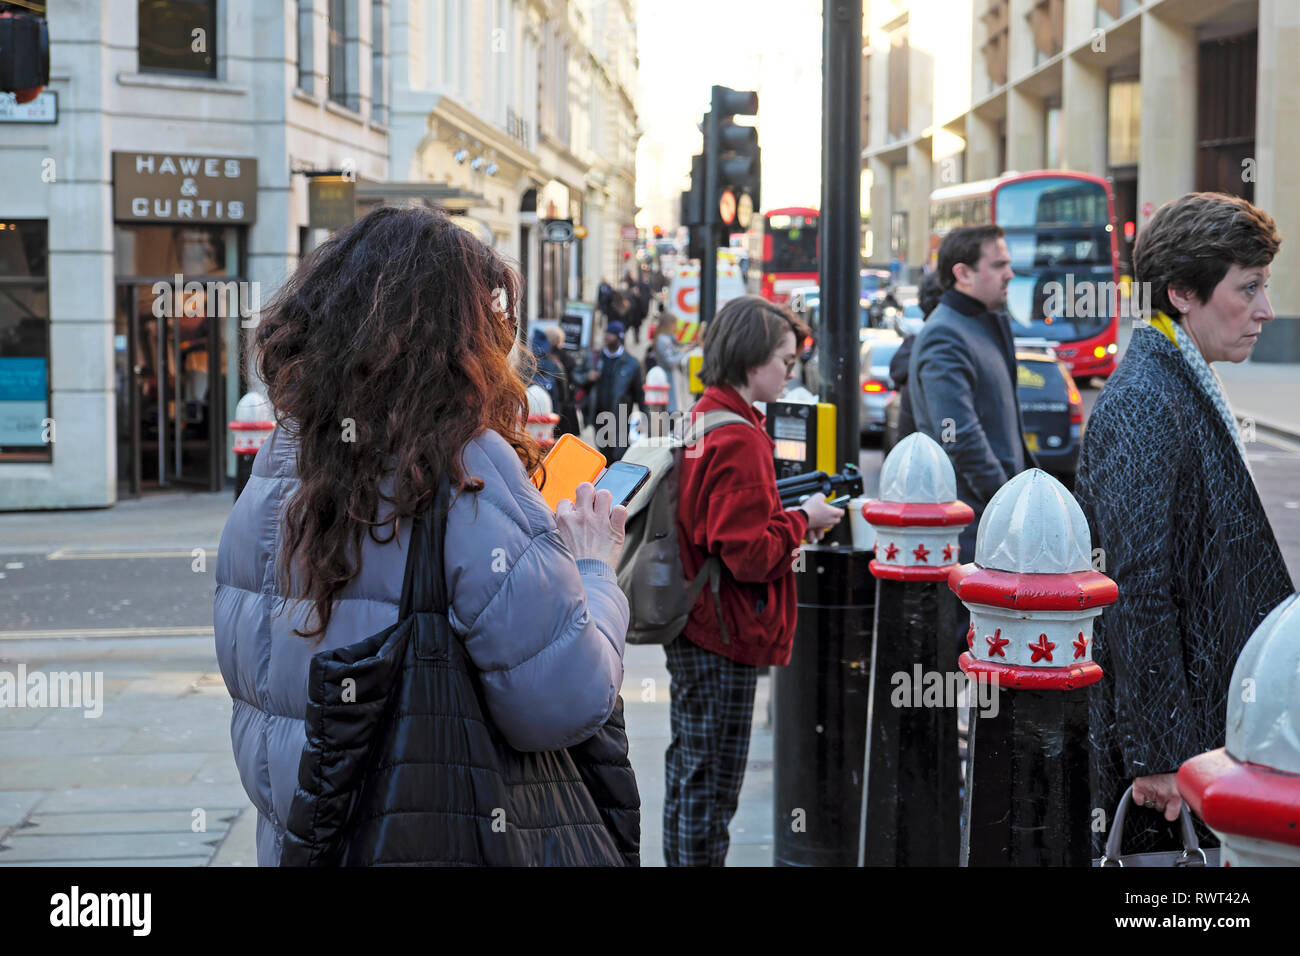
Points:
x=890 y=552
x=1080 y=646
x=922 y=553
x=970 y=637
x=997 y=642
x=1043 y=648
x=947 y=552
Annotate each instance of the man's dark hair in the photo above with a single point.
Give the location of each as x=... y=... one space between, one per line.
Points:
x=963 y=245
x=929 y=293
x=1191 y=243
x=744 y=335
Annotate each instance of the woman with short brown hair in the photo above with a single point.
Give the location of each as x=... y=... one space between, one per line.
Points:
x=1165 y=483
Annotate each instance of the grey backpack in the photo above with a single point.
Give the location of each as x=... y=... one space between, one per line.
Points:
x=650 y=571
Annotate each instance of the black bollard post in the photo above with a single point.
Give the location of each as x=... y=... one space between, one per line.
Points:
x=820 y=711
x=1033 y=596
x=910 y=811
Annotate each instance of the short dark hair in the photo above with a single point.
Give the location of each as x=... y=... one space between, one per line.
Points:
x=744 y=335
x=963 y=245
x=929 y=292
x=1191 y=242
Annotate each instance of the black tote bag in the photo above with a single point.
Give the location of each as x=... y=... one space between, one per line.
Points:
x=403 y=766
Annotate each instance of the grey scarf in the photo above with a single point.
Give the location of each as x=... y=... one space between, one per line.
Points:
x=1211 y=385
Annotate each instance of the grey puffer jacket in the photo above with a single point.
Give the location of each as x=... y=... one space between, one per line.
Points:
x=545 y=631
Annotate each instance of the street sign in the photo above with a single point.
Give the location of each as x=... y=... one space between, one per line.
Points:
x=727 y=207
x=557 y=230
x=744 y=211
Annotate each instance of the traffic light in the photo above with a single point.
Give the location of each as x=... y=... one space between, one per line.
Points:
x=24 y=55
x=693 y=198
x=732 y=156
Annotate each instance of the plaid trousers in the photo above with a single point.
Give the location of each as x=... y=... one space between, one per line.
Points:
x=712 y=710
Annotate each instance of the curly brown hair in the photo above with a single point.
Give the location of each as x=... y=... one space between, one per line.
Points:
x=1191 y=242
x=386 y=352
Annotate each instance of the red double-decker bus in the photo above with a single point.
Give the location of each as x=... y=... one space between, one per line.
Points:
x=1060 y=230
x=783 y=247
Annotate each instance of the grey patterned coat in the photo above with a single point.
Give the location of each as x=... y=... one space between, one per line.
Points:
x=545 y=632
x=1171 y=503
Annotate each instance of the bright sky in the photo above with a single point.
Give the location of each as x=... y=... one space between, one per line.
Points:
x=686 y=46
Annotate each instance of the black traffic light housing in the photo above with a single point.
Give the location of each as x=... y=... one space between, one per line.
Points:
x=731 y=152
x=24 y=53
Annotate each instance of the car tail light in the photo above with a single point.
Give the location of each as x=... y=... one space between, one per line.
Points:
x=873 y=385
x=1076 y=401
x=807 y=343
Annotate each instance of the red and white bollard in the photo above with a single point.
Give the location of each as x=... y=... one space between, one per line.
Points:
x=541 y=420
x=910 y=807
x=657 y=386
x=1248 y=791
x=1033 y=596
x=253 y=424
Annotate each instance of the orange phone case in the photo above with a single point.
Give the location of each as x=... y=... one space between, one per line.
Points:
x=568 y=464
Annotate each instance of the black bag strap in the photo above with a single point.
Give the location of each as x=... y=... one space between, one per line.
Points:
x=424 y=583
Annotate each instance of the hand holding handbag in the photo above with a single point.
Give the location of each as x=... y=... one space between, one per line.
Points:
x=1191 y=854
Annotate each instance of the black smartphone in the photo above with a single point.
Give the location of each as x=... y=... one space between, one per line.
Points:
x=623 y=480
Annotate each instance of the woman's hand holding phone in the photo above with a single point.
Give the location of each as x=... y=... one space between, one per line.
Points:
x=590 y=526
x=821 y=516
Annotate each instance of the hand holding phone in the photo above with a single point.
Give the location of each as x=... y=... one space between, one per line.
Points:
x=590 y=527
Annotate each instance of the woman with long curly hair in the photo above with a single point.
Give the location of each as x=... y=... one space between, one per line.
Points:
x=390 y=358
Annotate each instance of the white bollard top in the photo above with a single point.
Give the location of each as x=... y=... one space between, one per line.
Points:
x=1264 y=715
x=539 y=403
x=1033 y=525
x=254 y=407
x=918 y=471
x=656 y=378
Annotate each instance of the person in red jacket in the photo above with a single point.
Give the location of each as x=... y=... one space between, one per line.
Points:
x=729 y=507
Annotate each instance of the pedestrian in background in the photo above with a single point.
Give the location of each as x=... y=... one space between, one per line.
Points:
x=548 y=373
x=729 y=508
x=962 y=378
x=314 y=553
x=569 y=424
x=927 y=298
x=614 y=387
x=669 y=355
x=604 y=295
x=1166 y=486
x=635 y=311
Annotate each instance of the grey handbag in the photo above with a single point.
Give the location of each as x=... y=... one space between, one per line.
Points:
x=1190 y=855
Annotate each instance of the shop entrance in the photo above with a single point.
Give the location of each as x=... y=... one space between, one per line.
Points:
x=171 y=355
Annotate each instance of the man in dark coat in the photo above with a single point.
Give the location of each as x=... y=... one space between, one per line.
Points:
x=614 y=386
x=962 y=376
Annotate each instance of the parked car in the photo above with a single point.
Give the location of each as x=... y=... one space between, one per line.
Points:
x=878 y=347
x=1050 y=407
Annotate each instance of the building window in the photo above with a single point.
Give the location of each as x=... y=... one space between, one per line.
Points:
x=24 y=341
x=899 y=51
x=306 y=46
x=378 y=64
x=1124 y=122
x=338 y=78
x=178 y=36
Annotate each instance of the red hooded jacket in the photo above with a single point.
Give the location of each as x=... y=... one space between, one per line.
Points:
x=729 y=507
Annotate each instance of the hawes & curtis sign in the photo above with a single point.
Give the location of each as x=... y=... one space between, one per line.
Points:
x=167 y=187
